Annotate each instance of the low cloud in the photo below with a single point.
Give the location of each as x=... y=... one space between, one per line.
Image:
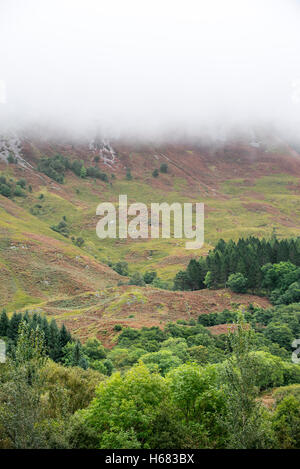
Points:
x=154 y=68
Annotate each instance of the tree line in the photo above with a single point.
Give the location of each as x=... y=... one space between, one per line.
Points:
x=247 y=265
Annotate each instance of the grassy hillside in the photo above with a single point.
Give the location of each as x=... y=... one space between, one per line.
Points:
x=246 y=190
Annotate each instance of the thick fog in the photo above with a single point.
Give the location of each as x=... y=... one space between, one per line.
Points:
x=150 y=67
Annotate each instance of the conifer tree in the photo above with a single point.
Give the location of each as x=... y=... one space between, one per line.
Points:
x=53 y=343
x=4 y=323
x=12 y=331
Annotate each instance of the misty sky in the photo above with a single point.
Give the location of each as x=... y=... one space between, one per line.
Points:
x=148 y=67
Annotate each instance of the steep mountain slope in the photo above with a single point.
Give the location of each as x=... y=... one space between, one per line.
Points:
x=247 y=188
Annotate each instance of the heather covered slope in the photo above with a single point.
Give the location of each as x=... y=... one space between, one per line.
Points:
x=247 y=188
x=38 y=264
x=97 y=313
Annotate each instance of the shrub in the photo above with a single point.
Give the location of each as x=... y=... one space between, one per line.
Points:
x=137 y=279
x=150 y=276
x=95 y=172
x=22 y=182
x=5 y=190
x=11 y=159
x=61 y=228
x=18 y=192
x=79 y=242
x=121 y=268
x=83 y=172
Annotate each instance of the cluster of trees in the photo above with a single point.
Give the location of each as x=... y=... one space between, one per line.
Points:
x=251 y=264
x=44 y=404
x=163 y=169
x=10 y=188
x=120 y=267
x=55 y=339
x=59 y=345
x=63 y=228
x=149 y=277
x=277 y=327
x=56 y=166
x=282 y=282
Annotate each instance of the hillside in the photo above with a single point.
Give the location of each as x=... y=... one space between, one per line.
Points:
x=96 y=313
x=249 y=188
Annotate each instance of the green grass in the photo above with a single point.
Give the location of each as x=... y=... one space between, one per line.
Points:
x=231 y=217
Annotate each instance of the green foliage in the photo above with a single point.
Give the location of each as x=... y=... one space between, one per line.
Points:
x=37 y=397
x=121 y=268
x=61 y=228
x=4 y=324
x=149 y=277
x=54 y=339
x=245 y=423
x=22 y=182
x=30 y=346
x=163 y=168
x=94 y=350
x=54 y=167
x=128 y=406
x=68 y=388
x=279 y=333
x=237 y=283
x=270 y=370
x=5 y=190
x=94 y=172
x=200 y=401
x=74 y=355
x=260 y=266
x=11 y=159
x=193 y=278
x=128 y=174
x=83 y=172
x=18 y=192
x=159 y=283
x=286 y=423
x=162 y=361
x=79 y=242
x=11 y=188
x=169 y=394
x=76 y=166
x=137 y=279
x=209 y=280
x=20 y=392
x=155 y=173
